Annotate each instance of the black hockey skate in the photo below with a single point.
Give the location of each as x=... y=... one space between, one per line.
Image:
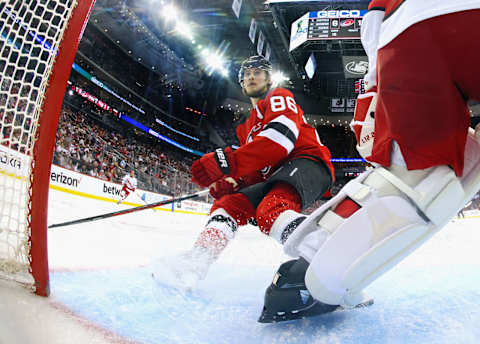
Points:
x=287 y=298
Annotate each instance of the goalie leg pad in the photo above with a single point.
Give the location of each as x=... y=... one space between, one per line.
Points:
x=363 y=123
x=323 y=219
x=400 y=210
x=375 y=222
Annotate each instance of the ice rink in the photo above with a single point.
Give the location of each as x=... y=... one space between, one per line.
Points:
x=102 y=290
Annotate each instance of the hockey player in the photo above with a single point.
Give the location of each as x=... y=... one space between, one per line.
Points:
x=267 y=179
x=427 y=158
x=129 y=184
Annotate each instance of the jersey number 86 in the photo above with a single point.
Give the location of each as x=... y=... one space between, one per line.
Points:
x=278 y=103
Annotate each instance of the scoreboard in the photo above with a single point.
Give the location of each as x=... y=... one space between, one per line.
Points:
x=326 y=25
x=334 y=24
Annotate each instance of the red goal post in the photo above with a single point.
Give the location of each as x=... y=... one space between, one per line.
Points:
x=38 y=43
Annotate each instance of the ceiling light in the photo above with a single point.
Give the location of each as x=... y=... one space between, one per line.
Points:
x=184 y=29
x=224 y=72
x=215 y=61
x=169 y=12
x=278 y=78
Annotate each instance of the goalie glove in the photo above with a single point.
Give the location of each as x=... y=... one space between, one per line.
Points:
x=213 y=166
x=363 y=123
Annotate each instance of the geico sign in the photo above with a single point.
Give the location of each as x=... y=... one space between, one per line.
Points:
x=339 y=14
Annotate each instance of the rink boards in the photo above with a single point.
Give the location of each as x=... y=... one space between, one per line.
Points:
x=15 y=165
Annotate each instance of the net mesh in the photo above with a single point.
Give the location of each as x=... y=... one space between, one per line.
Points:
x=30 y=34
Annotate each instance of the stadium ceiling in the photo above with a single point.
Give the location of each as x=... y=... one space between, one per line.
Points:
x=139 y=27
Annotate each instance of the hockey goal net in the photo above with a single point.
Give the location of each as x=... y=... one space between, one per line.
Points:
x=38 y=42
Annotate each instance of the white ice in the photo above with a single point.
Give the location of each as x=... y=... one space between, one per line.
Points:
x=102 y=291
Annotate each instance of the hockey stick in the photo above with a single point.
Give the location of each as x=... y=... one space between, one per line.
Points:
x=130 y=210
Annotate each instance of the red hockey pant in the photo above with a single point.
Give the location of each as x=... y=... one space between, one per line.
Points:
x=280 y=198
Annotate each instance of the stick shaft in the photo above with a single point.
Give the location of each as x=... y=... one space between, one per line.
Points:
x=130 y=210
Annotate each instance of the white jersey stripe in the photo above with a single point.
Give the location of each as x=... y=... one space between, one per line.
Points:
x=288 y=123
x=278 y=138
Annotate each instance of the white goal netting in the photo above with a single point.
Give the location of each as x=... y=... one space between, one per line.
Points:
x=30 y=34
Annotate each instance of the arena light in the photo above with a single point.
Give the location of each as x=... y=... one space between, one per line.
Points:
x=184 y=29
x=279 y=78
x=224 y=72
x=169 y=12
x=215 y=61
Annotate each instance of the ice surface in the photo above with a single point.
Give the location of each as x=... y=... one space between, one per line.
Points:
x=102 y=290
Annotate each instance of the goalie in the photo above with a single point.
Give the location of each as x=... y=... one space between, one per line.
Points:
x=427 y=159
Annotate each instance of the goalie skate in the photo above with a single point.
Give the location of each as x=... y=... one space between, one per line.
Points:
x=287 y=298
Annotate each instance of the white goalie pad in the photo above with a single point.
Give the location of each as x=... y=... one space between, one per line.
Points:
x=399 y=211
x=363 y=123
x=323 y=219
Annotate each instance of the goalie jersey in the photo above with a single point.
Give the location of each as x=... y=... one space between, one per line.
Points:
x=401 y=14
x=275 y=132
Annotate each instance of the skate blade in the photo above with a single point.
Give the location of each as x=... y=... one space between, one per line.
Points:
x=363 y=304
x=317 y=309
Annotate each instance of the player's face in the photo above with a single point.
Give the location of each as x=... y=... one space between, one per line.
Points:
x=255 y=82
x=132 y=173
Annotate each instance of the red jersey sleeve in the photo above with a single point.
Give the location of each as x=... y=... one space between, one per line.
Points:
x=379 y=4
x=281 y=126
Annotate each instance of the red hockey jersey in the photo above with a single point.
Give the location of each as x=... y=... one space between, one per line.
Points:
x=274 y=133
x=401 y=14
